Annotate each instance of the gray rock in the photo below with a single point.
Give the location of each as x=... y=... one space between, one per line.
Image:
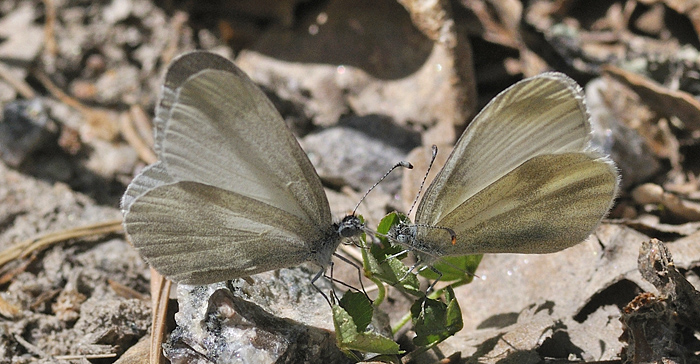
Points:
x=281 y=318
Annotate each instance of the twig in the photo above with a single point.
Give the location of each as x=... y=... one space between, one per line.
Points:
x=160 y=295
x=31 y=347
x=102 y=124
x=129 y=133
x=21 y=86
x=86 y=356
x=49 y=38
x=178 y=20
x=59 y=94
x=26 y=247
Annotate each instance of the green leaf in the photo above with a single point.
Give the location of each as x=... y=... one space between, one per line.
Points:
x=390 y=220
x=386 y=248
x=393 y=272
x=348 y=338
x=428 y=321
x=456 y=268
x=370 y=342
x=435 y=321
x=359 y=307
x=454 y=322
x=390 y=270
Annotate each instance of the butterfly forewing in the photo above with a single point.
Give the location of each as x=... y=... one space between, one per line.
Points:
x=179 y=71
x=540 y=115
x=223 y=131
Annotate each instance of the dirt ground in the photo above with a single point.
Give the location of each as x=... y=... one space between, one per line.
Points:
x=362 y=84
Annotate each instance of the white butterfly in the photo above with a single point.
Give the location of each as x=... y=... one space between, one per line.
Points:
x=523 y=178
x=233 y=194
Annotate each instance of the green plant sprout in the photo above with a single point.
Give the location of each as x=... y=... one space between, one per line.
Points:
x=362 y=329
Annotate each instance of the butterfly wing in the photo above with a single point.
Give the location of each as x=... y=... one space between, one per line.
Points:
x=223 y=131
x=540 y=115
x=547 y=204
x=150 y=177
x=215 y=128
x=498 y=175
x=196 y=234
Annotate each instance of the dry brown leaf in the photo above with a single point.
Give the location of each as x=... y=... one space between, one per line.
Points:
x=654 y=324
x=137 y=354
x=8 y=309
x=650 y=193
x=690 y=8
x=661 y=99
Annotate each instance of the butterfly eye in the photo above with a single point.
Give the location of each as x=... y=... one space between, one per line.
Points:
x=350 y=226
x=405 y=233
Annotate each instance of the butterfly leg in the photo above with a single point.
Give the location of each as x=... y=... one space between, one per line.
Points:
x=359 y=276
x=315 y=278
x=434 y=270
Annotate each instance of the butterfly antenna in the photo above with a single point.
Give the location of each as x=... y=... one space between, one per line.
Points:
x=420 y=189
x=397 y=165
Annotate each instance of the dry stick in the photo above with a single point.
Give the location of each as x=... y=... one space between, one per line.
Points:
x=129 y=133
x=85 y=356
x=49 y=39
x=23 y=249
x=21 y=86
x=59 y=94
x=35 y=350
x=125 y=291
x=101 y=121
x=10 y=275
x=160 y=294
x=143 y=123
x=177 y=22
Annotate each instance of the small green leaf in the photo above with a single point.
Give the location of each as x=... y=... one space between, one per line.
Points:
x=393 y=272
x=348 y=338
x=381 y=263
x=456 y=268
x=428 y=321
x=435 y=321
x=345 y=328
x=370 y=342
x=454 y=322
x=386 y=248
x=359 y=307
x=391 y=219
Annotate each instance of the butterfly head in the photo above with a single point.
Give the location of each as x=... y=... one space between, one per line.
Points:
x=403 y=233
x=350 y=226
